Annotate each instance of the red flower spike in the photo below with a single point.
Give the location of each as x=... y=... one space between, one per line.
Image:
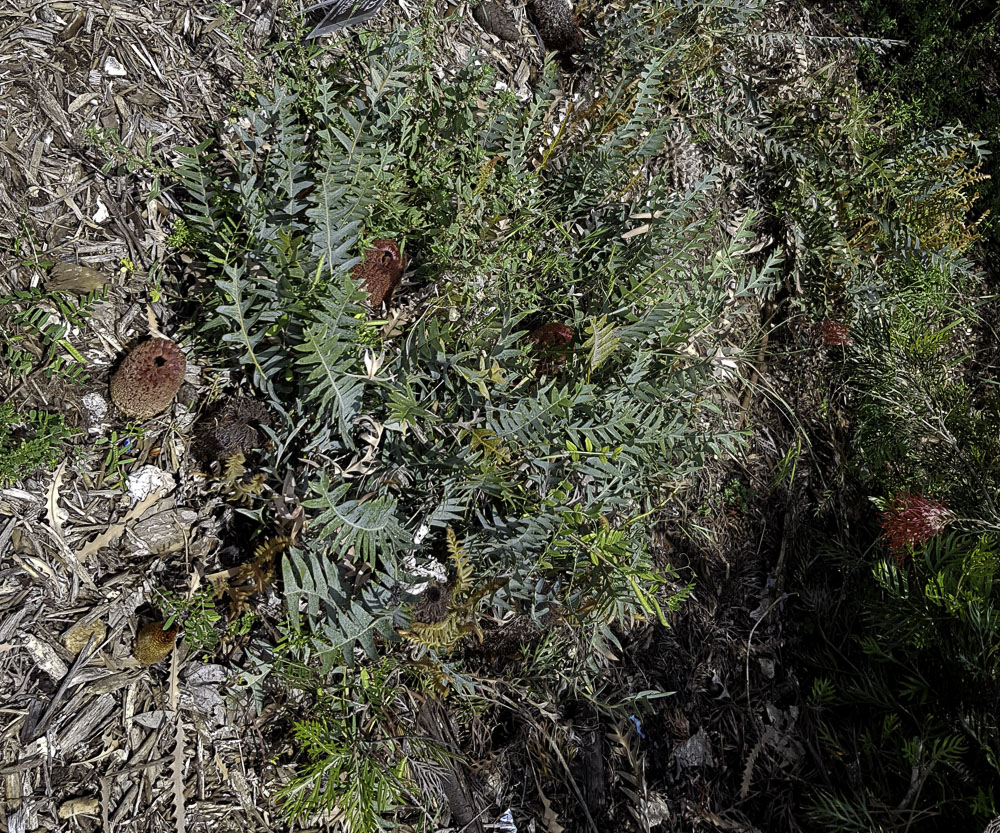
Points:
x=835 y=334
x=551 y=342
x=911 y=520
x=148 y=378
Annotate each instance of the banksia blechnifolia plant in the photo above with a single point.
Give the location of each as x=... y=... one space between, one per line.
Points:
x=381 y=271
x=835 y=334
x=910 y=521
x=148 y=379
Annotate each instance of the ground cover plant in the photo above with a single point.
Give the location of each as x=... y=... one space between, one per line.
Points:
x=456 y=450
x=408 y=177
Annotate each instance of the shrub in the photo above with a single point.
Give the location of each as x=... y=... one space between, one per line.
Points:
x=455 y=448
x=903 y=602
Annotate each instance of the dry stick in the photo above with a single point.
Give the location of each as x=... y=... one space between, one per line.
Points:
x=913 y=795
x=763 y=616
x=434 y=719
x=747 y=773
x=177 y=771
x=779 y=569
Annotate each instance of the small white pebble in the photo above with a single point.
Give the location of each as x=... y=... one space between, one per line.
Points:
x=113 y=67
x=102 y=214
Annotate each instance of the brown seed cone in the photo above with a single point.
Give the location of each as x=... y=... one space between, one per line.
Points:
x=496 y=20
x=68 y=277
x=557 y=24
x=381 y=271
x=231 y=426
x=148 y=379
x=153 y=643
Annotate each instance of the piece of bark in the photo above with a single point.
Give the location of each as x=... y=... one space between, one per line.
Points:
x=434 y=719
x=79 y=280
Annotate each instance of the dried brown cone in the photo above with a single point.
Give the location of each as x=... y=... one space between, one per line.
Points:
x=153 y=643
x=148 y=379
x=557 y=24
x=232 y=427
x=381 y=271
x=433 y=604
x=496 y=20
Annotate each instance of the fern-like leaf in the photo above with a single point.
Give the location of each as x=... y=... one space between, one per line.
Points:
x=602 y=341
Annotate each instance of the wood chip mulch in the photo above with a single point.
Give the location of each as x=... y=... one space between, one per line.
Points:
x=94 y=97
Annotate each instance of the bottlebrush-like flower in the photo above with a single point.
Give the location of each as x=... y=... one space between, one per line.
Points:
x=551 y=343
x=835 y=334
x=911 y=520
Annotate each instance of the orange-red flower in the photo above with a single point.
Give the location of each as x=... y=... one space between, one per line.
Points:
x=911 y=520
x=835 y=334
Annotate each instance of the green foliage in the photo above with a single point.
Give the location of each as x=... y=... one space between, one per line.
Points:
x=181 y=236
x=197 y=614
x=880 y=209
x=504 y=220
x=922 y=423
x=119 y=155
x=902 y=204
x=915 y=636
x=43 y=322
x=941 y=73
x=30 y=440
x=340 y=617
x=514 y=214
x=353 y=764
x=117 y=449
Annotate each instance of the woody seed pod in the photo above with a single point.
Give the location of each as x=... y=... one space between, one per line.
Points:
x=148 y=379
x=381 y=271
x=153 y=643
